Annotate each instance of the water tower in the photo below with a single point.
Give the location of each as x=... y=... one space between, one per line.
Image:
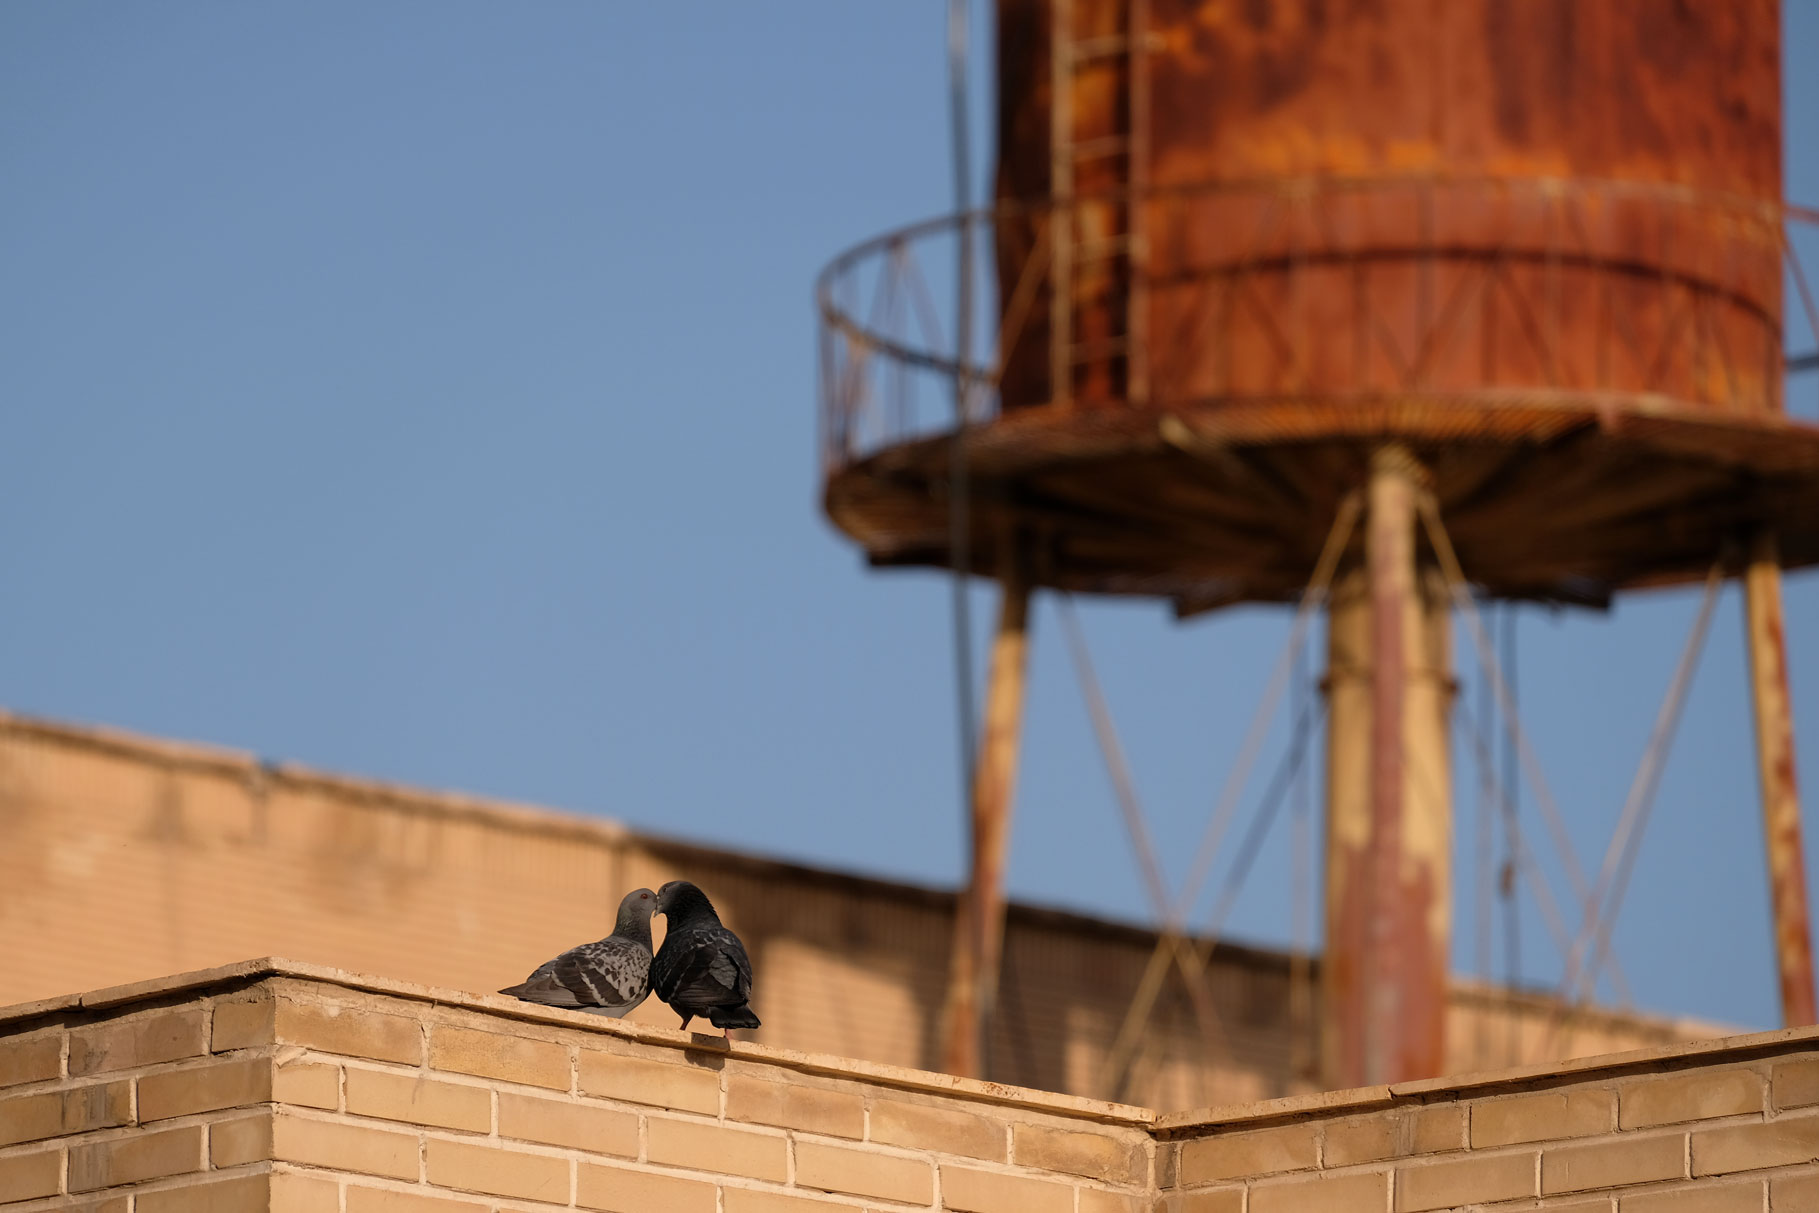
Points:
x=1351 y=304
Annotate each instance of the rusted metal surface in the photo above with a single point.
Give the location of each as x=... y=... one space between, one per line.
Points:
x=1672 y=93
x=1389 y=1000
x=1305 y=228
x=1388 y=808
x=1780 y=790
x=1549 y=497
x=1677 y=413
x=1348 y=832
x=979 y=924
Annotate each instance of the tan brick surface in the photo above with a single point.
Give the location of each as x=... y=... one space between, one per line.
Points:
x=1699 y=1095
x=1548 y=1116
x=943 y=1130
x=240 y=1140
x=31 y=1117
x=474 y=1168
x=559 y=1122
x=34 y=1058
x=138 y=1040
x=968 y=1190
x=536 y=1063
x=620 y=1190
x=243 y=1023
x=418 y=1099
x=205 y=1088
x=30 y=1174
x=128 y=1160
x=1110 y=1154
x=1256 y=1152
x=810 y=1109
x=1746 y=1197
x=352 y=1031
x=1098 y=1200
x=1612 y=1163
x=678 y=1085
x=1442 y=1185
x=233 y=1194
x=729 y=1151
x=292 y=1193
x=1778 y=1143
x=864 y=1173
x=311 y=1084
x=345 y=1147
x=1793 y=1193
x=1362 y=1193
x=1168 y=1163
x=751 y=1200
x=103 y=1204
x=1214 y=1200
x=99 y=1105
x=1795 y=1084
x=1398 y=1133
x=390 y=1200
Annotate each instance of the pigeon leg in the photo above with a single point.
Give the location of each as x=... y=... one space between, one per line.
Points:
x=685 y=1020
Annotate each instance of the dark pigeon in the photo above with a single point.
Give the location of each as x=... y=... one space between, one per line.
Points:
x=609 y=977
x=701 y=969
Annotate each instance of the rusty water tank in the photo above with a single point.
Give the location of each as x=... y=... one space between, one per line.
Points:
x=1241 y=243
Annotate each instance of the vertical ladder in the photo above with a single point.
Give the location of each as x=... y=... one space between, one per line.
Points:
x=1074 y=252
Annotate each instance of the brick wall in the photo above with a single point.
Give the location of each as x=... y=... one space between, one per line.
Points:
x=281 y=1087
x=122 y=858
x=1725 y=1127
x=278 y=1086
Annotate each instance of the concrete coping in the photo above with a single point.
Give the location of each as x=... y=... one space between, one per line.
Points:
x=1194 y=1122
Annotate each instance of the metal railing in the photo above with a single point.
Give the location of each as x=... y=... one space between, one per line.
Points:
x=1326 y=288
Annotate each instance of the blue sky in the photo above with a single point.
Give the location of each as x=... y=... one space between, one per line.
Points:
x=427 y=392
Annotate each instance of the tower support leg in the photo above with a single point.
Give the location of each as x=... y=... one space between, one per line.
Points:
x=979 y=922
x=1780 y=793
x=1389 y=820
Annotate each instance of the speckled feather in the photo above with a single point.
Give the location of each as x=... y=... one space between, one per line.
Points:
x=608 y=977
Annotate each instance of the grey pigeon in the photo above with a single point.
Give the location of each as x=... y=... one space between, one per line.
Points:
x=701 y=969
x=609 y=977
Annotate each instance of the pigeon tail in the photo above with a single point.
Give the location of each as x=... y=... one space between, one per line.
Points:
x=516 y=991
x=733 y=1017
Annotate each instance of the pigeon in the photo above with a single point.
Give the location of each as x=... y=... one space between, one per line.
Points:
x=609 y=977
x=701 y=969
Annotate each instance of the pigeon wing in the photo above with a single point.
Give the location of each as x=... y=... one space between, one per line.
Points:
x=731 y=968
x=707 y=967
x=614 y=972
x=611 y=973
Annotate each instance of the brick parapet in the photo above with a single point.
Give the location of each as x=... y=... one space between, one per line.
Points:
x=1723 y=1126
x=274 y=1085
x=278 y=1085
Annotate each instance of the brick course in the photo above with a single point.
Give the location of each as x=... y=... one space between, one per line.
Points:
x=864 y=1173
x=790 y=1106
x=944 y=1130
x=32 y=1058
x=140 y=1040
x=418 y=1099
